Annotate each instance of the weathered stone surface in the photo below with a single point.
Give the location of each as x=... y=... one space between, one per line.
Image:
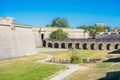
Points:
x=18 y=42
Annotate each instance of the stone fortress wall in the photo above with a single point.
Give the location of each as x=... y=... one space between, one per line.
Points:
x=19 y=40
x=6 y=20
x=42 y=33
x=15 y=42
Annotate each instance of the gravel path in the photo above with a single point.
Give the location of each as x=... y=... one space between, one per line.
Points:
x=71 y=68
x=61 y=75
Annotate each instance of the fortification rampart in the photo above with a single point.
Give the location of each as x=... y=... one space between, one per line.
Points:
x=17 y=42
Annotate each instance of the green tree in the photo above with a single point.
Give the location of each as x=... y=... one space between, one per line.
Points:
x=48 y=25
x=94 y=29
x=59 y=34
x=60 y=22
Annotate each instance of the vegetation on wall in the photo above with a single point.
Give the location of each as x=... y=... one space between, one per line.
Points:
x=59 y=34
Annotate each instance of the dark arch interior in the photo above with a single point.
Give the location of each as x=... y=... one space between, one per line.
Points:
x=42 y=36
x=63 y=45
x=70 y=45
x=44 y=43
x=50 y=45
x=56 y=45
x=117 y=46
x=77 y=45
x=85 y=46
x=100 y=46
x=108 y=46
x=92 y=46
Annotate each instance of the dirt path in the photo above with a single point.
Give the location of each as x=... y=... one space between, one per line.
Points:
x=71 y=68
x=61 y=75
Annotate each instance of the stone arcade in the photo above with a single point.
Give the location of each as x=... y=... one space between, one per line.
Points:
x=78 y=39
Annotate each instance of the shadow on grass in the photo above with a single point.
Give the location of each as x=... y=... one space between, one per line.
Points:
x=112 y=76
x=115 y=52
x=113 y=60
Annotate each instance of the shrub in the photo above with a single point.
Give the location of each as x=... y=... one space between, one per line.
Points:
x=75 y=59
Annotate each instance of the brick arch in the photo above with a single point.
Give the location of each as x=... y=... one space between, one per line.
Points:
x=62 y=45
x=56 y=45
x=108 y=46
x=77 y=45
x=100 y=46
x=117 y=46
x=92 y=46
x=84 y=46
x=50 y=44
x=69 y=45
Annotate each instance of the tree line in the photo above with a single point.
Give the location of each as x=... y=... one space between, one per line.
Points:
x=63 y=23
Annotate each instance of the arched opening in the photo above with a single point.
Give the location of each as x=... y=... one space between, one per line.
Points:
x=85 y=46
x=116 y=46
x=50 y=45
x=69 y=45
x=56 y=45
x=92 y=46
x=108 y=46
x=63 y=45
x=100 y=46
x=77 y=45
x=44 y=43
x=42 y=36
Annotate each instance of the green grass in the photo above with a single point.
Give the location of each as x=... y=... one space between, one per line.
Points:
x=96 y=71
x=81 y=53
x=26 y=68
x=39 y=46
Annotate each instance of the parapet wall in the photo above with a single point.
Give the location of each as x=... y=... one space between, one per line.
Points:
x=18 y=42
x=6 y=20
x=72 y=33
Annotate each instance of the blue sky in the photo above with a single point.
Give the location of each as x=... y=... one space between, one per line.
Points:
x=77 y=12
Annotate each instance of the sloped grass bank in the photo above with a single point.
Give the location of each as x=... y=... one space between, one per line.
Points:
x=26 y=68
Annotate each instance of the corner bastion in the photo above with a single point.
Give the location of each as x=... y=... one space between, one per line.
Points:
x=15 y=42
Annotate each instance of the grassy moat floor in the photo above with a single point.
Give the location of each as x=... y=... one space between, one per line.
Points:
x=96 y=71
x=26 y=68
x=81 y=53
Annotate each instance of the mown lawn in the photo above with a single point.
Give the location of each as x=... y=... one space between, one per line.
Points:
x=26 y=68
